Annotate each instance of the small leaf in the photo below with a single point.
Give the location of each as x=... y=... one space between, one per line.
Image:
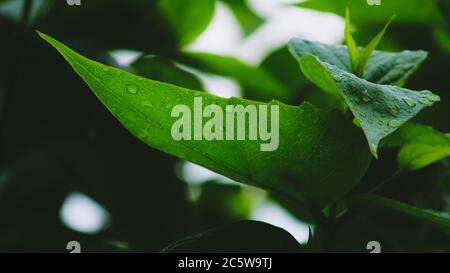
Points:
x=244 y=236
x=368 y=50
x=381 y=109
x=353 y=50
x=309 y=165
x=418 y=155
x=382 y=67
x=420 y=145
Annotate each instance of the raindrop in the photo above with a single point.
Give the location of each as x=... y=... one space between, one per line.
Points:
x=409 y=102
x=425 y=101
x=132 y=89
x=105 y=69
x=393 y=123
x=140 y=79
x=367 y=99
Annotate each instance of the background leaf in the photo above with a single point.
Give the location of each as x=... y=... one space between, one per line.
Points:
x=188 y=18
x=244 y=236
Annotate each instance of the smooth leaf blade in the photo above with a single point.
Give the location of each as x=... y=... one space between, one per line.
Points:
x=309 y=166
x=415 y=156
x=380 y=109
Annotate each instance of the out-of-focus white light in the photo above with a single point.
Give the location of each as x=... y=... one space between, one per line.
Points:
x=282 y=23
x=196 y=175
x=220 y=86
x=82 y=214
x=272 y=213
x=124 y=57
x=222 y=35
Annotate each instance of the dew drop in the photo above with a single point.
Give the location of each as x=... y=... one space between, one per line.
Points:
x=140 y=79
x=394 y=123
x=367 y=99
x=105 y=69
x=425 y=101
x=409 y=102
x=132 y=89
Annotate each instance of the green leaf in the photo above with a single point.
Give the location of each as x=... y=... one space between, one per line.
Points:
x=418 y=155
x=188 y=18
x=318 y=74
x=353 y=50
x=380 y=109
x=244 y=236
x=414 y=11
x=368 y=50
x=310 y=165
x=257 y=82
x=416 y=133
x=382 y=67
x=437 y=219
x=420 y=145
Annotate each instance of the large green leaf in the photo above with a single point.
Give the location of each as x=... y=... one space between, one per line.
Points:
x=410 y=11
x=382 y=67
x=437 y=219
x=420 y=145
x=257 y=82
x=310 y=165
x=188 y=18
x=244 y=236
x=380 y=109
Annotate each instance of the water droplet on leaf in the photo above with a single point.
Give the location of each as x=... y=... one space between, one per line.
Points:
x=409 y=102
x=394 y=123
x=132 y=89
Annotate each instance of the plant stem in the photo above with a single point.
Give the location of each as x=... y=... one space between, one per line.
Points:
x=386 y=181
